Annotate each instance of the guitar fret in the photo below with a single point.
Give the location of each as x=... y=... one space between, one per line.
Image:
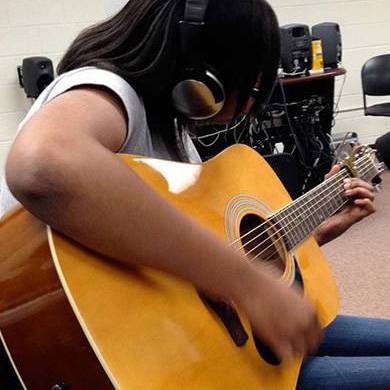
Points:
x=283 y=220
x=334 y=202
x=311 y=206
x=305 y=224
x=290 y=229
x=299 y=234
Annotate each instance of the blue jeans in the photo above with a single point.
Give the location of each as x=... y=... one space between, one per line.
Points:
x=354 y=354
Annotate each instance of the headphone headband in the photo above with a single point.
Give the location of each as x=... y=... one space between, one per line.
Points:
x=191 y=27
x=195 y=11
x=199 y=94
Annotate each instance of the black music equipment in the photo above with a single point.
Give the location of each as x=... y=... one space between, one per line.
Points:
x=285 y=166
x=330 y=36
x=35 y=74
x=297 y=53
x=382 y=145
x=199 y=94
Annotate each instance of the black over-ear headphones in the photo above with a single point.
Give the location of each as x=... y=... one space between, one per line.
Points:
x=199 y=94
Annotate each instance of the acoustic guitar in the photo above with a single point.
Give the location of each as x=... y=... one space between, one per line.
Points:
x=71 y=319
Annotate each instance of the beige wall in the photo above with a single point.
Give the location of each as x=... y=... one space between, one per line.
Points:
x=29 y=28
x=365 y=28
x=46 y=27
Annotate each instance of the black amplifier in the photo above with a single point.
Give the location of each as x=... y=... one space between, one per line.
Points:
x=297 y=53
x=330 y=36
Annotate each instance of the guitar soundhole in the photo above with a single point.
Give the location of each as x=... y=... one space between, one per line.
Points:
x=261 y=242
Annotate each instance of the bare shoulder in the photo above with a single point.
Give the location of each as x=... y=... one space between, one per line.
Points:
x=88 y=110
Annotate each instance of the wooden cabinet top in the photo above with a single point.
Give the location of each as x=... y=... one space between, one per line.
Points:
x=326 y=74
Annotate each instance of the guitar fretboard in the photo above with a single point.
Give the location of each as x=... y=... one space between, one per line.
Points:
x=299 y=219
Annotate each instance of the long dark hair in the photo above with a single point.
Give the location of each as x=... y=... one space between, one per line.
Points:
x=141 y=44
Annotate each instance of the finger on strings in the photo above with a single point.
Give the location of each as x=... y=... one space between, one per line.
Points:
x=335 y=169
x=355 y=182
x=361 y=193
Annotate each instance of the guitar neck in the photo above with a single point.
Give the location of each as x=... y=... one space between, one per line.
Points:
x=299 y=219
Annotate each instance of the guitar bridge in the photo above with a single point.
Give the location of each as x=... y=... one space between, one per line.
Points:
x=230 y=319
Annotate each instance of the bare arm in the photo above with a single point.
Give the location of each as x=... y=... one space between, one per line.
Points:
x=63 y=169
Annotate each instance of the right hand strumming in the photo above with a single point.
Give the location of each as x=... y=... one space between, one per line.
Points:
x=280 y=317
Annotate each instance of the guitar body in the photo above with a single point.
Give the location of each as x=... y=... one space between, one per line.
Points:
x=69 y=316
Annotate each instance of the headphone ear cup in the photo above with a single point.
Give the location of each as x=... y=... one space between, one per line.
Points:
x=201 y=96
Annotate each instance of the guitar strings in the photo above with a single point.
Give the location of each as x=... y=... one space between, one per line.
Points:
x=286 y=233
x=332 y=179
x=302 y=206
x=269 y=238
x=283 y=209
x=273 y=242
x=330 y=199
x=329 y=180
x=342 y=174
x=321 y=202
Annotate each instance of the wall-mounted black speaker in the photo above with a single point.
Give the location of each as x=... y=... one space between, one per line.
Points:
x=35 y=74
x=297 y=53
x=330 y=36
